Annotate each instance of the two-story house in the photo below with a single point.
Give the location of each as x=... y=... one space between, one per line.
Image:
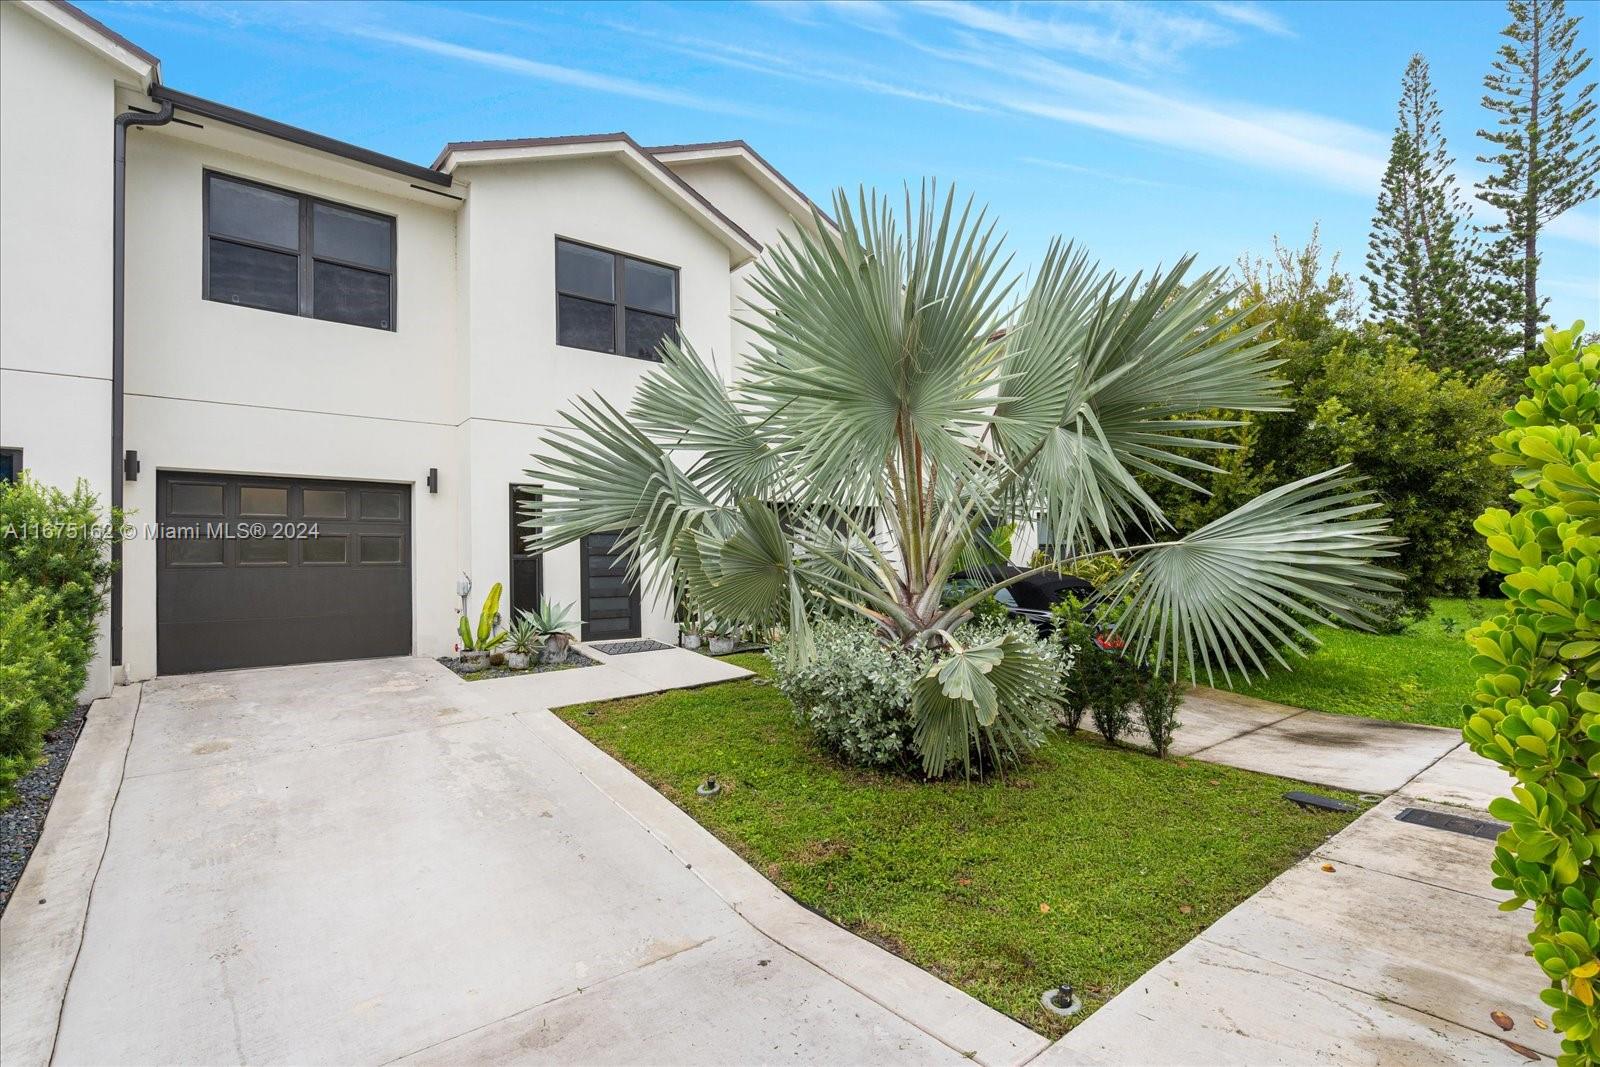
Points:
x=240 y=331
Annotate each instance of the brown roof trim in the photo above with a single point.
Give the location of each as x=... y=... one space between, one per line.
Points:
x=601 y=138
x=79 y=15
x=743 y=146
x=294 y=134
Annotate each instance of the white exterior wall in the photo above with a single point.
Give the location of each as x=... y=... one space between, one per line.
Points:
x=55 y=279
x=520 y=379
x=216 y=387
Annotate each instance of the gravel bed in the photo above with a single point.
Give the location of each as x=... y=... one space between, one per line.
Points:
x=574 y=659
x=623 y=648
x=21 y=823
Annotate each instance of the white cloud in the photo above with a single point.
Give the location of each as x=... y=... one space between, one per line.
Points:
x=1075 y=168
x=1582 y=227
x=551 y=72
x=1120 y=34
x=1246 y=13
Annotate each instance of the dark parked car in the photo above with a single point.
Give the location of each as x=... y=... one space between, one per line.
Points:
x=1029 y=598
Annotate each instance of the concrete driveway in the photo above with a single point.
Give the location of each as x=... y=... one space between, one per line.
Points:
x=376 y=861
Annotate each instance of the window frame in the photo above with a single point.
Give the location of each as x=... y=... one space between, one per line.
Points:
x=305 y=255
x=522 y=492
x=16 y=464
x=619 y=297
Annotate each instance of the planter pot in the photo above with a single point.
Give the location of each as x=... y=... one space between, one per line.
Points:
x=474 y=661
x=722 y=646
x=555 y=648
x=689 y=641
x=497 y=659
x=518 y=661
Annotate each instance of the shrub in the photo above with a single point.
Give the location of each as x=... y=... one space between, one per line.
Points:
x=1159 y=697
x=855 y=695
x=1536 y=711
x=54 y=571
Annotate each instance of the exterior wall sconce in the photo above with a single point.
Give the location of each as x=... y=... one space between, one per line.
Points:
x=130 y=465
x=433 y=479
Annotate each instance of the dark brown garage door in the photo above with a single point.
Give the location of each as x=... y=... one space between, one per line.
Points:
x=254 y=572
x=610 y=602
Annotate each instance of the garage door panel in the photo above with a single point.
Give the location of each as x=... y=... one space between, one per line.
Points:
x=228 y=602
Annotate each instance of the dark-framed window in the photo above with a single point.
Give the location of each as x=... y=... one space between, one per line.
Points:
x=527 y=568
x=277 y=250
x=610 y=302
x=10 y=464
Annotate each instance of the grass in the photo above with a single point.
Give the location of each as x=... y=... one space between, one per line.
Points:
x=1422 y=675
x=1089 y=864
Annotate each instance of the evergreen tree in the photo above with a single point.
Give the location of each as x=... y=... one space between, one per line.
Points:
x=1545 y=157
x=1422 y=251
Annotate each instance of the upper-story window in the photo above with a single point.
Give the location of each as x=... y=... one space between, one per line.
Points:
x=281 y=251
x=609 y=302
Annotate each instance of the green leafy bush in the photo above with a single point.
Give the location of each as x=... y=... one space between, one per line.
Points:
x=1536 y=711
x=1160 y=694
x=54 y=571
x=856 y=694
x=1105 y=682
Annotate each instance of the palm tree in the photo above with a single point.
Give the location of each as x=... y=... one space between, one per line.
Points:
x=904 y=389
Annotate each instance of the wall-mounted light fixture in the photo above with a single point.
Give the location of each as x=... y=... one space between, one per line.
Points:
x=433 y=479
x=130 y=465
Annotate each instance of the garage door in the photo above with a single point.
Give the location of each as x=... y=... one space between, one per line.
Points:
x=254 y=572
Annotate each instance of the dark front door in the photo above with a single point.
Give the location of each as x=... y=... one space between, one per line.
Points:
x=254 y=572
x=610 y=602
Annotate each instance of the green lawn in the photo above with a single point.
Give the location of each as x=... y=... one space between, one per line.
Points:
x=1089 y=864
x=1421 y=675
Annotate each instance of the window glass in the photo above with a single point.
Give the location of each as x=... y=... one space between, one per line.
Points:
x=253 y=277
x=345 y=294
x=329 y=548
x=10 y=464
x=380 y=549
x=351 y=236
x=263 y=500
x=322 y=504
x=649 y=287
x=193 y=551
x=263 y=550
x=645 y=333
x=254 y=214
x=586 y=324
x=196 y=498
x=585 y=271
x=380 y=504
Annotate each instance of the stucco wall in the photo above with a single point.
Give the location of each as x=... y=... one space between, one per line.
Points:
x=55 y=263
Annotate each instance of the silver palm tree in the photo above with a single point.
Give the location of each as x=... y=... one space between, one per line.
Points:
x=906 y=388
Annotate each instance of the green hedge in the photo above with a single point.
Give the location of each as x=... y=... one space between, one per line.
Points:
x=55 y=568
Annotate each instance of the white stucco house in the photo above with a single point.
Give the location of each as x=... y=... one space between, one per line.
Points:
x=256 y=329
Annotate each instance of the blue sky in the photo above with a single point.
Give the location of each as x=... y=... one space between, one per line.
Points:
x=1143 y=131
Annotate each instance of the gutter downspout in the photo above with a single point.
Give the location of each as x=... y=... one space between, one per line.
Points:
x=119 y=195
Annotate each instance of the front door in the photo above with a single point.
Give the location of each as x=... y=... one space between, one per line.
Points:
x=610 y=602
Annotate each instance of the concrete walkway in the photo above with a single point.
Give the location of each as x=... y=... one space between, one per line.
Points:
x=1383 y=947
x=1342 y=751
x=377 y=861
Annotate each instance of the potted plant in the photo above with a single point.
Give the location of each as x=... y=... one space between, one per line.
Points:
x=522 y=639
x=552 y=622
x=476 y=645
x=689 y=631
x=723 y=637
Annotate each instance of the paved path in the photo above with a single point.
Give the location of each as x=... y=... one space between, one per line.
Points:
x=377 y=861
x=1383 y=947
x=1342 y=751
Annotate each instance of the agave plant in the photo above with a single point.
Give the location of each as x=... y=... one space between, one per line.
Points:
x=905 y=390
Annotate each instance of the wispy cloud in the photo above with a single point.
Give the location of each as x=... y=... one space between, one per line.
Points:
x=1580 y=226
x=1119 y=34
x=1248 y=13
x=1105 y=175
x=797 y=67
x=552 y=72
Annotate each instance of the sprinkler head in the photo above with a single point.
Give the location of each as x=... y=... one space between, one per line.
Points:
x=709 y=788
